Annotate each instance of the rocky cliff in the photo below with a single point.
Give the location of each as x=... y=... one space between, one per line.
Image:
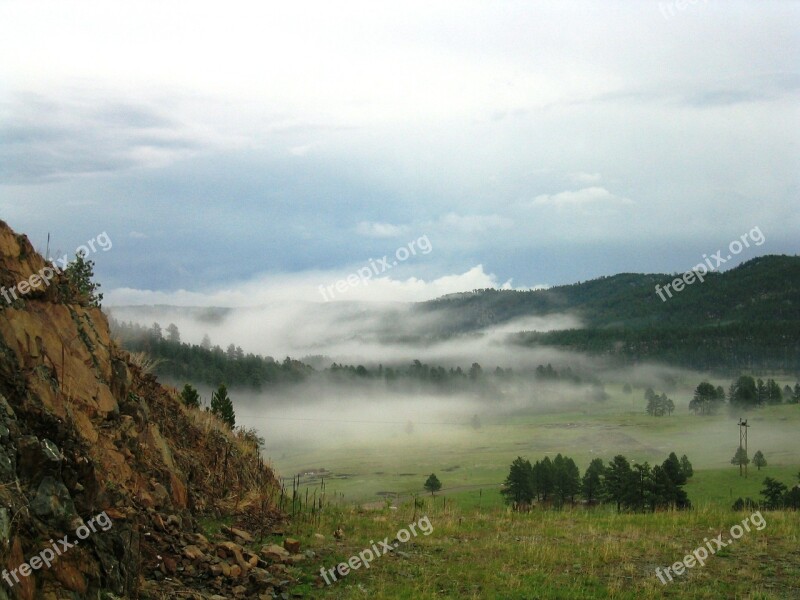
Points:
x=85 y=431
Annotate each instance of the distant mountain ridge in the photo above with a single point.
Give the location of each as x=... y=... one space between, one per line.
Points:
x=763 y=289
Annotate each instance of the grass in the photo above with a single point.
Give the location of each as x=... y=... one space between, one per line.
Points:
x=575 y=553
x=363 y=471
x=478 y=549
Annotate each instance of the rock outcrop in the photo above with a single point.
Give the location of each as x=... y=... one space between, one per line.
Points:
x=83 y=431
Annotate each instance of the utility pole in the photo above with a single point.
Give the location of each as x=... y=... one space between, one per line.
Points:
x=743 y=444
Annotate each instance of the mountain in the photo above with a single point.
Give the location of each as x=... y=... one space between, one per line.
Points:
x=763 y=289
x=747 y=318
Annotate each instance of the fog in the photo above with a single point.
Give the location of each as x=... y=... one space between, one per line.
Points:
x=352 y=332
x=324 y=420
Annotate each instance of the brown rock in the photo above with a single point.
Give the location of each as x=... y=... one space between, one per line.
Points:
x=236 y=571
x=274 y=553
x=69 y=576
x=291 y=545
x=193 y=552
x=232 y=550
x=238 y=533
x=170 y=565
x=26 y=588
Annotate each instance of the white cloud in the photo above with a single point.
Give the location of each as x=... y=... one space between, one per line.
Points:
x=585 y=178
x=305 y=287
x=587 y=197
x=302 y=150
x=137 y=235
x=475 y=223
x=380 y=230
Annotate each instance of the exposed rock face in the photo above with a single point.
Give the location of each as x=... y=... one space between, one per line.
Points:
x=84 y=430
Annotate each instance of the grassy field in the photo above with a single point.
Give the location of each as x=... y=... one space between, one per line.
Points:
x=547 y=554
x=472 y=463
x=478 y=549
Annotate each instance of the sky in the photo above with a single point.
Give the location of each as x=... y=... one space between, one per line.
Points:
x=243 y=153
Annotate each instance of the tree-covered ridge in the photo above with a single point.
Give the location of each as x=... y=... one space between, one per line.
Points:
x=763 y=289
x=732 y=347
x=205 y=363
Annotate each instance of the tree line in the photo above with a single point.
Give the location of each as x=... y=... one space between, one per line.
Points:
x=634 y=487
x=743 y=393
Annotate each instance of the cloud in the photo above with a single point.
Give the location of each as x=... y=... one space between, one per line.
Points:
x=303 y=149
x=305 y=287
x=587 y=197
x=51 y=137
x=585 y=178
x=475 y=223
x=137 y=235
x=380 y=230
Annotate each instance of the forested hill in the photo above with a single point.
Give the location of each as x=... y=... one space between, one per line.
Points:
x=763 y=289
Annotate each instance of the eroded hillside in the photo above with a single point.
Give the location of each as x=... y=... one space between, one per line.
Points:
x=84 y=431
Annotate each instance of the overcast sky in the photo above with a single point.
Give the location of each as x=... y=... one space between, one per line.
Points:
x=244 y=152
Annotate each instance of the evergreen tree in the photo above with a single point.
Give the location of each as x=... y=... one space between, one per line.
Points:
x=759 y=460
x=618 y=482
x=432 y=484
x=543 y=478
x=173 y=335
x=761 y=391
x=592 y=480
x=773 y=492
x=774 y=393
x=706 y=399
x=686 y=467
x=571 y=481
x=222 y=406
x=190 y=397
x=744 y=392
x=80 y=273
x=740 y=458
x=518 y=486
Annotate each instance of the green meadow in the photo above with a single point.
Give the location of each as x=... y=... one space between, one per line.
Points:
x=471 y=463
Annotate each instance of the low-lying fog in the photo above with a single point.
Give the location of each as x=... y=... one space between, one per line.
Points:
x=318 y=414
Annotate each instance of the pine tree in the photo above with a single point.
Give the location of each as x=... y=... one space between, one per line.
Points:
x=80 y=273
x=190 y=397
x=173 y=335
x=759 y=460
x=432 y=484
x=591 y=482
x=222 y=406
x=686 y=467
x=740 y=458
x=518 y=486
